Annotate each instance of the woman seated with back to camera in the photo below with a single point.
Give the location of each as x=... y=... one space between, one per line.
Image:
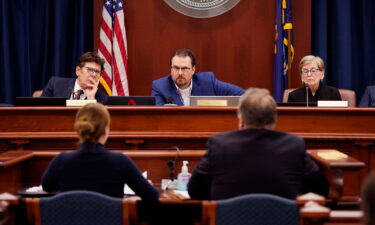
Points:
x=311 y=69
x=92 y=167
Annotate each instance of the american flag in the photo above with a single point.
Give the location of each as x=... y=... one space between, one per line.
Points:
x=113 y=48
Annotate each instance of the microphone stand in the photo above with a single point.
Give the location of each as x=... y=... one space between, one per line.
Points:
x=307 y=94
x=170 y=102
x=171 y=165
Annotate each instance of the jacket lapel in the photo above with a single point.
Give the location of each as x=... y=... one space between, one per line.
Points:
x=174 y=93
x=197 y=90
x=70 y=87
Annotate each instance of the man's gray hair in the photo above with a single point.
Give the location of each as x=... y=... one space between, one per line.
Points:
x=257 y=107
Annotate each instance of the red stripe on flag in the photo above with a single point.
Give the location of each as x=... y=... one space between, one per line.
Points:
x=117 y=79
x=107 y=30
x=104 y=50
x=121 y=42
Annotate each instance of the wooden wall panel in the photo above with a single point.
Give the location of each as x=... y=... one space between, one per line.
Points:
x=238 y=45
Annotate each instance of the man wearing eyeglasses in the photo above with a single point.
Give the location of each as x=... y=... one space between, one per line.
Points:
x=85 y=86
x=184 y=82
x=312 y=73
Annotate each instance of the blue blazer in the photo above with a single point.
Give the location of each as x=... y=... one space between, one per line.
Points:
x=368 y=98
x=204 y=84
x=62 y=87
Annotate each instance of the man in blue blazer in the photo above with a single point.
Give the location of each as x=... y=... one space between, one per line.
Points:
x=183 y=82
x=85 y=86
x=368 y=98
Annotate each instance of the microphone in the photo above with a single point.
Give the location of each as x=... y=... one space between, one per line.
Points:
x=72 y=93
x=170 y=101
x=171 y=166
x=307 y=93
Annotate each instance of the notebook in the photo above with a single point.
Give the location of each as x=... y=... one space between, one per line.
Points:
x=131 y=100
x=39 y=101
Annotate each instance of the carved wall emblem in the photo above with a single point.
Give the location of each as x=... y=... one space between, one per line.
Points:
x=202 y=8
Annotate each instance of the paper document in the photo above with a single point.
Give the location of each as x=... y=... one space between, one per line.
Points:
x=332 y=155
x=181 y=194
x=35 y=189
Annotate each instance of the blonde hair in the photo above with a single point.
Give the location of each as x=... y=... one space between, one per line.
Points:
x=310 y=58
x=91 y=122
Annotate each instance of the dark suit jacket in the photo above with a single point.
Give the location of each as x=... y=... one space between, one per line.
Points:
x=368 y=98
x=253 y=161
x=94 y=168
x=63 y=87
x=204 y=84
x=324 y=92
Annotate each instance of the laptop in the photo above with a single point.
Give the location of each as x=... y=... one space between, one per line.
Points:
x=214 y=100
x=297 y=104
x=131 y=100
x=39 y=101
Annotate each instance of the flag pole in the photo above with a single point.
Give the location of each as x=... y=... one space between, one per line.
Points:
x=289 y=72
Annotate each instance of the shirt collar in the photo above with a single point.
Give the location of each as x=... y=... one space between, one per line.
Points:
x=76 y=86
x=186 y=90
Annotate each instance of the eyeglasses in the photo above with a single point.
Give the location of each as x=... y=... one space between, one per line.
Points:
x=313 y=71
x=183 y=69
x=93 y=71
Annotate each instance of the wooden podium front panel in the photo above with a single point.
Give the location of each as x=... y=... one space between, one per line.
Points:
x=123 y=119
x=357 y=122
x=351 y=130
x=326 y=122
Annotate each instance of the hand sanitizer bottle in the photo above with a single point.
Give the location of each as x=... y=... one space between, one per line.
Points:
x=183 y=177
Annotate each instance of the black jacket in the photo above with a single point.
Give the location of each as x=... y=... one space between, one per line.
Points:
x=253 y=161
x=94 y=168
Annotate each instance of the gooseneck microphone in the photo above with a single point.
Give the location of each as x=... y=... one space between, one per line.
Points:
x=170 y=101
x=171 y=166
x=307 y=93
x=172 y=163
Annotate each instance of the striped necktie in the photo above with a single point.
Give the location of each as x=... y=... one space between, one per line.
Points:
x=78 y=94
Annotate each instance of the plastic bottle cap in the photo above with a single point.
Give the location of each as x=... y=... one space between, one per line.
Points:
x=184 y=169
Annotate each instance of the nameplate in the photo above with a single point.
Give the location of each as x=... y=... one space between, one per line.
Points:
x=332 y=155
x=212 y=102
x=332 y=103
x=79 y=102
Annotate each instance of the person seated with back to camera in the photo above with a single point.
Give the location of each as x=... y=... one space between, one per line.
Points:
x=368 y=200
x=312 y=71
x=256 y=158
x=88 y=70
x=92 y=167
x=368 y=98
x=184 y=82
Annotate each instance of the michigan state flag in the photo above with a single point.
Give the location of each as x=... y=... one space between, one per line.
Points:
x=283 y=47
